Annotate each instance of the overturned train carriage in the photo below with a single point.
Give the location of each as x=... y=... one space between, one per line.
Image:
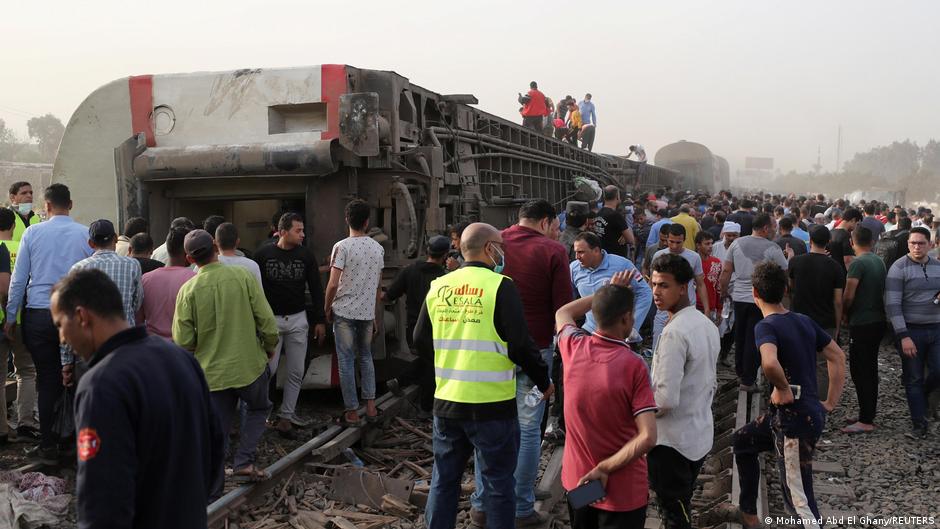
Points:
x=247 y=144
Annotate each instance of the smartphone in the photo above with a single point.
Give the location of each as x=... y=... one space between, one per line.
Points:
x=586 y=494
x=797 y=391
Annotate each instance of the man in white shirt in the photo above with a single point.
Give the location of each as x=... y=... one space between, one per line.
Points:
x=226 y=238
x=684 y=382
x=729 y=232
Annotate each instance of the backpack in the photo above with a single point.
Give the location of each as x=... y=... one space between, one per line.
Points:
x=888 y=247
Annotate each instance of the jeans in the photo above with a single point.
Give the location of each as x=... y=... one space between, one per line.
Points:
x=42 y=340
x=917 y=384
x=793 y=436
x=257 y=407
x=532 y=122
x=292 y=335
x=497 y=443
x=354 y=341
x=530 y=447
x=746 y=356
x=863 y=366
x=672 y=477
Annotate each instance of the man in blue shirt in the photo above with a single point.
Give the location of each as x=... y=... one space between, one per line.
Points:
x=662 y=219
x=47 y=252
x=588 y=113
x=593 y=268
x=794 y=421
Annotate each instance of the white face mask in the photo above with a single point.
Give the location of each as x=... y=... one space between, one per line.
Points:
x=24 y=207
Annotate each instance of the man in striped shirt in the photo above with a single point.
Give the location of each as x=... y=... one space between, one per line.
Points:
x=911 y=289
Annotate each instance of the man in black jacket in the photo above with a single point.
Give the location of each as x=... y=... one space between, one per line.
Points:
x=148 y=441
x=413 y=282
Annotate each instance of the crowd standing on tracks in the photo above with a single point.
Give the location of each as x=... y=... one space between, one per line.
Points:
x=503 y=322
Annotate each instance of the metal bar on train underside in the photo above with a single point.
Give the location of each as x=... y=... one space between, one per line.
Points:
x=253 y=159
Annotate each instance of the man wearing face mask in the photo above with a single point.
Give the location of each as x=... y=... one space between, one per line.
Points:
x=539 y=268
x=472 y=325
x=21 y=202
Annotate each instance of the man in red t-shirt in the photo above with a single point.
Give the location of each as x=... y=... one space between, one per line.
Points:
x=711 y=267
x=609 y=409
x=534 y=108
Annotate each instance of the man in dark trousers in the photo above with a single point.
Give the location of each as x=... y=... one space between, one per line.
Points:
x=414 y=281
x=794 y=421
x=148 y=441
x=473 y=326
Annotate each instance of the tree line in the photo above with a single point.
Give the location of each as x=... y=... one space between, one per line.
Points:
x=44 y=134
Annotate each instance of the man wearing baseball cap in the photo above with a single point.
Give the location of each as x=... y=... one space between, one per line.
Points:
x=236 y=335
x=414 y=281
x=124 y=271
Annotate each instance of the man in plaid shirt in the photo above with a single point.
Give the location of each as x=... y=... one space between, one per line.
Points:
x=124 y=271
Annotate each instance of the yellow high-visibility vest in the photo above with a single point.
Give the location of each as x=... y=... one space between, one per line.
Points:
x=471 y=361
x=19 y=226
x=13 y=247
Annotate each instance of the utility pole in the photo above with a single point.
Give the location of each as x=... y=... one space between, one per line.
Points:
x=839 y=150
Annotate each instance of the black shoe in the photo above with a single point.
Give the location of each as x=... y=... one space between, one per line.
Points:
x=535 y=519
x=477 y=518
x=48 y=456
x=27 y=433
x=918 y=433
x=4 y=440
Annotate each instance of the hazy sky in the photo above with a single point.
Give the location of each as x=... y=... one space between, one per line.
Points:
x=746 y=78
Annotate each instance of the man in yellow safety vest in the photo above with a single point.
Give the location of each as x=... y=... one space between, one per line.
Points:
x=21 y=202
x=473 y=325
x=27 y=429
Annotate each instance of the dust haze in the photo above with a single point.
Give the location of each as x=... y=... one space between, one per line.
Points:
x=744 y=78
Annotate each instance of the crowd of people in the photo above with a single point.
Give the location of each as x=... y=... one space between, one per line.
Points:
x=167 y=348
x=569 y=120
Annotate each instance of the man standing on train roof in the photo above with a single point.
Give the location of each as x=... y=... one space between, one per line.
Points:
x=474 y=328
x=533 y=107
x=21 y=202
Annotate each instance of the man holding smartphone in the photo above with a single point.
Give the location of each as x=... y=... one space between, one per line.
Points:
x=794 y=421
x=609 y=411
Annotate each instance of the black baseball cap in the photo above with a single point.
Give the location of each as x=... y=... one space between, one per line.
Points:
x=101 y=231
x=438 y=245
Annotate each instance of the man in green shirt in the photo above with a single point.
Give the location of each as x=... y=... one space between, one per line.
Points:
x=863 y=304
x=220 y=315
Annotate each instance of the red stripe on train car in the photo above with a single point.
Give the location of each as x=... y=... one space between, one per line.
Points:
x=332 y=85
x=141 y=92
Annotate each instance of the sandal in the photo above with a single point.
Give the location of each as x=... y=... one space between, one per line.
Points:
x=371 y=419
x=346 y=422
x=249 y=474
x=855 y=428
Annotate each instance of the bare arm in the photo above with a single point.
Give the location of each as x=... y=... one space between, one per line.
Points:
x=702 y=293
x=837 y=303
x=727 y=268
x=570 y=313
x=848 y=295
x=331 y=287
x=835 y=361
x=627 y=236
x=773 y=371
